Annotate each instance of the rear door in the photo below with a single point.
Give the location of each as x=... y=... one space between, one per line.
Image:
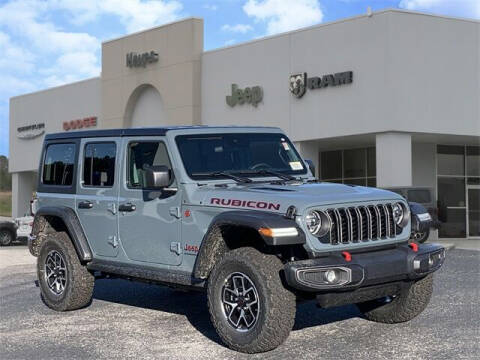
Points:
x=97 y=194
x=149 y=220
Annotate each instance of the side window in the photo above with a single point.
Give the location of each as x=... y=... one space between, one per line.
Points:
x=99 y=164
x=142 y=155
x=58 y=164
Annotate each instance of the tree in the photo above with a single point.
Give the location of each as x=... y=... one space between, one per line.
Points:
x=5 y=176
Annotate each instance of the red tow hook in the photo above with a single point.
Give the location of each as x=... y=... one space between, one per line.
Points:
x=347 y=256
x=414 y=246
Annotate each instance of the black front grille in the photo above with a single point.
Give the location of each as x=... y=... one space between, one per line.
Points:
x=361 y=223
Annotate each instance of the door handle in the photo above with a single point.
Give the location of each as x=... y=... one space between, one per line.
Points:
x=85 y=204
x=128 y=207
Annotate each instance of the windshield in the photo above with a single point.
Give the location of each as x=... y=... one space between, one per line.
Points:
x=247 y=154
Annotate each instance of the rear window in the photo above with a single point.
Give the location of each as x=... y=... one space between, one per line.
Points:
x=99 y=164
x=58 y=164
x=419 y=195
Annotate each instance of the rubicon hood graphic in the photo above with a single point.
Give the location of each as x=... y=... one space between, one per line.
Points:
x=278 y=197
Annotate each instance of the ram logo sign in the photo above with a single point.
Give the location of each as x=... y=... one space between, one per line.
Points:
x=299 y=83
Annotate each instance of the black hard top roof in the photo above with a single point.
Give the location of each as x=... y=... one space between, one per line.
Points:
x=156 y=131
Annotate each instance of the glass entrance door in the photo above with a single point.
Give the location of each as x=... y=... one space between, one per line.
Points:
x=473 y=205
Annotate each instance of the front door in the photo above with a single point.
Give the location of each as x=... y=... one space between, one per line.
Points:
x=97 y=194
x=149 y=220
x=473 y=215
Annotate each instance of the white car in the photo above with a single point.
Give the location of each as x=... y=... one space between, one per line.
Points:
x=11 y=231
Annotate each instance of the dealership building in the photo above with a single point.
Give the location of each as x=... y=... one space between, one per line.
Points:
x=389 y=99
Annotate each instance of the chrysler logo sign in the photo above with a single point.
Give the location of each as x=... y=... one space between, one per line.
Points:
x=141 y=60
x=299 y=83
x=31 y=131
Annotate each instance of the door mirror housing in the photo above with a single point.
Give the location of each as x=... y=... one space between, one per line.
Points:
x=310 y=166
x=157 y=177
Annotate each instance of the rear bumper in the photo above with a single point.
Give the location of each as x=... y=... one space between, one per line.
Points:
x=365 y=270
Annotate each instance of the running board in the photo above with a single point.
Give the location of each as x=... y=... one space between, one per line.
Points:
x=137 y=272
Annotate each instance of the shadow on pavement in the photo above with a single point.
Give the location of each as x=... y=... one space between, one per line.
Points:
x=193 y=305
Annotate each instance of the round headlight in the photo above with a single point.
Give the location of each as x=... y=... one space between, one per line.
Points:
x=398 y=213
x=313 y=221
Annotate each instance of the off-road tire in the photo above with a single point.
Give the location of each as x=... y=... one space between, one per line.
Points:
x=80 y=282
x=277 y=304
x=403 y=307
x=6 y=237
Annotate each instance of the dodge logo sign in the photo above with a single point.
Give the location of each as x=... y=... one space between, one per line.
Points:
x=297 y=84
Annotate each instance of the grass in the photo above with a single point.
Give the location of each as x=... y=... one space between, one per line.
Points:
x=6 y=203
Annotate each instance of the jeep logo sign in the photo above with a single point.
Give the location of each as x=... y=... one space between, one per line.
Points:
x=141 y=60
x=249 y=95
x=299 y=83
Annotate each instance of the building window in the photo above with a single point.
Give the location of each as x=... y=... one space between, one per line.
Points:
x=99 y=164
x=58 y=164
x=350 y=166
x=458 y=180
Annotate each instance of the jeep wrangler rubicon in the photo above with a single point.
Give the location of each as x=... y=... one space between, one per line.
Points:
x=232 y=210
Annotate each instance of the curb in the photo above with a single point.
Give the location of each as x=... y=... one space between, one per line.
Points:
x=447 y=246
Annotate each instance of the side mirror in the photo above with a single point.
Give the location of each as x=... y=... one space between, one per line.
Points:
x=157 y=177
x=310 y=166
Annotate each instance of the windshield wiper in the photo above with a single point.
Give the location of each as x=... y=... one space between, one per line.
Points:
x=274 y=173
x=224 y=174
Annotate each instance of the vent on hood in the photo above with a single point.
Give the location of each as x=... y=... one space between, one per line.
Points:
x=271 y=189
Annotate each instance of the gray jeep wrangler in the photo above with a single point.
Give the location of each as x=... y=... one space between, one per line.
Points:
x=234 y=211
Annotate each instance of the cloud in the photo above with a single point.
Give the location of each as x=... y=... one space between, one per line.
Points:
x=38 y=51
x=210 y=7
x=135 y=15
x=14 y=58
x=462 y=8
x=284 y=15
x=238 y=28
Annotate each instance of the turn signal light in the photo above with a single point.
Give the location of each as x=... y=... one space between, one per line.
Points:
x=278 y=232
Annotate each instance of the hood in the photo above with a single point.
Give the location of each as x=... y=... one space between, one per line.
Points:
x=278 y=198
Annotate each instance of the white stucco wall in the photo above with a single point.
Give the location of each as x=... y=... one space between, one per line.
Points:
x=51 y=107
x=411 y=73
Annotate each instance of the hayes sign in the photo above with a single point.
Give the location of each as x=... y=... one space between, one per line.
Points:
x=249 y=95
x=299 y=83
x=141 y=60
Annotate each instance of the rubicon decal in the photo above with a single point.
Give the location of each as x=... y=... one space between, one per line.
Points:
x=245 y=203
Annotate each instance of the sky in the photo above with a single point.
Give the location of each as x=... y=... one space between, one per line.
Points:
x=46 y=43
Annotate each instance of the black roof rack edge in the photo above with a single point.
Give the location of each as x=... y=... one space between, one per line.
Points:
x=156 y=131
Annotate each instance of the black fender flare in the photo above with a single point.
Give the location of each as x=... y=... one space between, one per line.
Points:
x=213 y=245
x=419 y=225
x=71 y=222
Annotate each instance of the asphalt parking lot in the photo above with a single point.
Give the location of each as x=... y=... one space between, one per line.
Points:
x=134 y=320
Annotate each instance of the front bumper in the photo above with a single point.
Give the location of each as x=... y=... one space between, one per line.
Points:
x=371 y=269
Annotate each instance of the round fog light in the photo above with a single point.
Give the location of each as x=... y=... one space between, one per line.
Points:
x=330 y=276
